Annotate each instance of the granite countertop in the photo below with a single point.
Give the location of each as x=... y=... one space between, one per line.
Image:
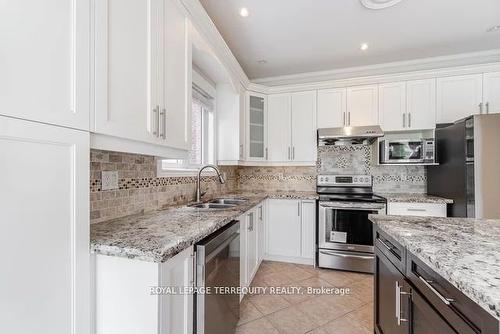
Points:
x=414 y=198
x=465 y=252
x=159 y=235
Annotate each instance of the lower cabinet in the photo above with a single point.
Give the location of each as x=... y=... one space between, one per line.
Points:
x=130 y=295
x=417 y=209
x=44 y=191
x=290 y=227
x=411 y=298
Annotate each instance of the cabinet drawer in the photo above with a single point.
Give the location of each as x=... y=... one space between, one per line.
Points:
x=462 y=313
x=417 y=209
x=394 y=252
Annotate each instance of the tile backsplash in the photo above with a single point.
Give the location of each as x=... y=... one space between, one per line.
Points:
x=140 y=190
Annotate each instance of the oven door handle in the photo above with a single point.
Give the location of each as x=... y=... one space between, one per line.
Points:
x=346 y=255
x=336 y=207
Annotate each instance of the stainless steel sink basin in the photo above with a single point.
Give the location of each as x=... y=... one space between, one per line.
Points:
x=234 y=201
x=212 y=206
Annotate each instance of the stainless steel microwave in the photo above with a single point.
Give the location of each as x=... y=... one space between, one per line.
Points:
x=407 y=151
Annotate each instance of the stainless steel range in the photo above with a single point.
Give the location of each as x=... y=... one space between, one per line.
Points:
x=345 y=235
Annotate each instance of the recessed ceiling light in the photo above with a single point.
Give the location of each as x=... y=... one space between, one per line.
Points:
x=379 y=4
x=244 y=12
x=262 y=61
x=494 y=28
x=364 y=47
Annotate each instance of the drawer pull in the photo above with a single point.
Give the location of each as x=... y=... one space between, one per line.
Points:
x=427 y=283
x=416 y=209
x=389 y=248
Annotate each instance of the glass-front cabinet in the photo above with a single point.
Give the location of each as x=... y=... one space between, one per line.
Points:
x=256 y=126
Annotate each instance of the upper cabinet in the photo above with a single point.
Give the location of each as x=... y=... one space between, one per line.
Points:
x=459 y=97
x=491 y=92
x=332 y=106
x=292 y=127
x=45 y=61
x=257 y=126
x=407 y=105
x=362 y=105
x=392 y=106
x=143 y=72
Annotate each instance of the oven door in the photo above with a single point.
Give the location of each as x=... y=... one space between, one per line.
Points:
x=345 y=226
x=404 y=151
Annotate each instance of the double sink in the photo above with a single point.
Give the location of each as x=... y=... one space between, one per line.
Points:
x=219 y=203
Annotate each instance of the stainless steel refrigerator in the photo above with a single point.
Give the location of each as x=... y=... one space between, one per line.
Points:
x=468 y=153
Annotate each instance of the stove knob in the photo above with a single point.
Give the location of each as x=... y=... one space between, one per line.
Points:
x=326 y=179
x=367 y=180
x=356 y=179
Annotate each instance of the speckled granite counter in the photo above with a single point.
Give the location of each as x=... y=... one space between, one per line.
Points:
x=465 y=252
x=414 y=198
x=159 y=235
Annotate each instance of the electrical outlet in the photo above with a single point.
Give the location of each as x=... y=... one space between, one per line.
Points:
x=109 y=180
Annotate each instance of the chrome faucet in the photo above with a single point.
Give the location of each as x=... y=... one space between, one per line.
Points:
x=199 y=194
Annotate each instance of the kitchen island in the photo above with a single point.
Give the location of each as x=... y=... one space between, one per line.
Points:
x=454 y=263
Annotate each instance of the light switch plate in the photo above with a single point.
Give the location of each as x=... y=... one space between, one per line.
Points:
x=109 y=180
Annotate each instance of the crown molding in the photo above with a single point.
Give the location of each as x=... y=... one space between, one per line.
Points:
x=205 y=26
x=421 y=64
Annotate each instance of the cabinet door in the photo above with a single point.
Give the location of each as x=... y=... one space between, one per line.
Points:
x=491 y=91
x=44 y=191
x=45 y=61
x=243 y=251
x=176 y=310
x=128 y=69
x=256 y=126
x=362 y=105
x=389 y=305
x=425 y=319
x=252 y=251
x=175 y=111
x=242 y=129
x=283 y=228
x=304 y=126
x=261 y=221
x=458 y=97
x=392 y=106
x=308 y=226
x=421 y=104
x=331 y=108
x=278 y=127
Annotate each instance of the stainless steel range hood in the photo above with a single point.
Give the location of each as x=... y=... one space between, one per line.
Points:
x=349 y=135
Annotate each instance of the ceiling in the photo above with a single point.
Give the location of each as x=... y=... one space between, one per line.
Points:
x=299 y=36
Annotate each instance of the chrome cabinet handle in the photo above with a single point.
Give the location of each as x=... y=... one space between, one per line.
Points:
x=343 y=119
x=293 y=153
x=260 y=213
x=427 y=283
x=398 y=294
x=416 y=210
x=409 y=120
x=289 y=157
x=161 y=125
x=250 y=223
x=346 y=255
x=404 y=120
x=298 y=209
x=164 y=123
x=487 y=107
x=349 y=118
x=481 y=107
x=156 y=111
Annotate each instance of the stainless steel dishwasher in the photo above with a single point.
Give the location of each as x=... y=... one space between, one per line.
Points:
x=218 y=267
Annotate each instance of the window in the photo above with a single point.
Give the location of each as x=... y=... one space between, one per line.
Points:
x=202 y=135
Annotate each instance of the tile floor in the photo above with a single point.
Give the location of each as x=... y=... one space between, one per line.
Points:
x=305 y=313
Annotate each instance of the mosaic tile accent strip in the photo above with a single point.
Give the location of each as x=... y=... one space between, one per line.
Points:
x=277 y=178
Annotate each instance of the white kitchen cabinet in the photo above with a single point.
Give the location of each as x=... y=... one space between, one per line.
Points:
x=256 y=120
x=251 y=224
x=124 y=303
x=252 y=244
x=417 y=209
x=290 y=226
x=392 y=106
x=491 y=93
x=362 y=105
x=242 y=124
x=421 y=104
x=279 y=127
x=292 y=127
x=44 y=191
x=143 y=72
x=459 y=97
x=308 y=228
x=332 y=107
x=303 y=126
x=45 y=61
